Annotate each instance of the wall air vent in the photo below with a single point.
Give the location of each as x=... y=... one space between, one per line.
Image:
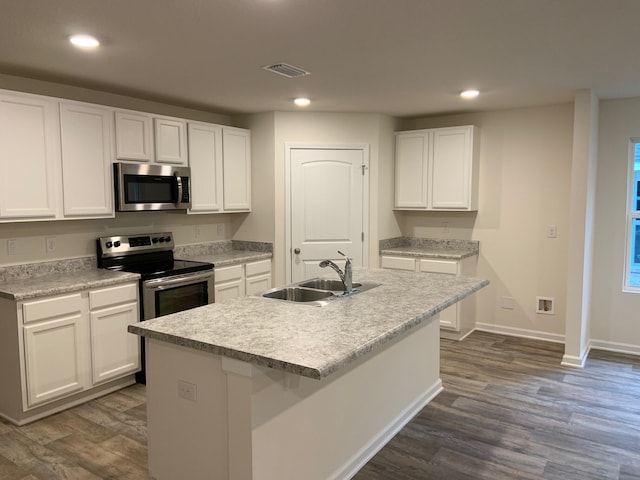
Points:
x=286 y=70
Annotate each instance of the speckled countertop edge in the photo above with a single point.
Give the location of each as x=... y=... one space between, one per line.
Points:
x=228 y=258
x=59 y=283
x=424 y=252
x=313 y=341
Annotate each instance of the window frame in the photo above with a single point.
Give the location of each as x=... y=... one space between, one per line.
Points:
x=632 y=214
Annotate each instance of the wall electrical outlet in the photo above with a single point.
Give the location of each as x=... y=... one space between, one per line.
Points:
x=445 y=227
x=220 y=230
x=508 y=303
x=197 y=232
x=50 y=244
x=11 y=246
x=552 y=231
x=187 y=390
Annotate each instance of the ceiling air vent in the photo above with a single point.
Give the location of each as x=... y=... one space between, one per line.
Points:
x=286 y=70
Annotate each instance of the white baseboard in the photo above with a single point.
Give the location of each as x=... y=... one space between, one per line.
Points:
x=367 y=452
x=574 y=361
x=615 y=347
x=520 y=332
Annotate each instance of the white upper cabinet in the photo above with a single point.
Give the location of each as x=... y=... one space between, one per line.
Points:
x=171 y=141
x=137 y=134
x=134 y=136
x=437 y=169
x=412 y=169
x=29 y=156
x=205 y=160
x=236 y=144
x=87 y=146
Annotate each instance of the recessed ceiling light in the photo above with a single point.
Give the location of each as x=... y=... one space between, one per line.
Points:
x=302 y=102
x=470 y=94
x=84 y=41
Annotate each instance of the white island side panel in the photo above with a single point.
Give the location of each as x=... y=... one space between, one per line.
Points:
x=299 y=427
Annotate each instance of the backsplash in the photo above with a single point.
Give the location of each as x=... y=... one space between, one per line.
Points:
x=432 y=243
x=13 y=273
x=211 y=248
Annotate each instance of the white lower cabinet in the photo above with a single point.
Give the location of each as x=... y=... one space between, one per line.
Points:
x=258 y=277
x=244 y=279
x=459 y=319
x=64 y=349
x=54 y=348
x=114 y=351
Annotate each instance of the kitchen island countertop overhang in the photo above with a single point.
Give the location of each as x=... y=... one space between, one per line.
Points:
x=313 y=341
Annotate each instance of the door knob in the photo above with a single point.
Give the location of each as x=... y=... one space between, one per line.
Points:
x=296 y=251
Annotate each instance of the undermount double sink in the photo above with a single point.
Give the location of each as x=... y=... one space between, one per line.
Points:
x=316 y=292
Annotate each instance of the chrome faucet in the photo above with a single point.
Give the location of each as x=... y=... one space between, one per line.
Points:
x=346 y=277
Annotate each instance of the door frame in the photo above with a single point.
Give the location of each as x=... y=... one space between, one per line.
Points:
x=364 y=147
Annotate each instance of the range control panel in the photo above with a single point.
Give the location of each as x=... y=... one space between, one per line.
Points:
x=132 y=244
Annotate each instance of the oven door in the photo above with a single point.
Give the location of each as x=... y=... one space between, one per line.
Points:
x=163 y=296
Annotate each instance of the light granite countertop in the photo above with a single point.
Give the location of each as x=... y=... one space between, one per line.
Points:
x=429 y=252
x=63 y=282
x=438 y=248
x=313 y=341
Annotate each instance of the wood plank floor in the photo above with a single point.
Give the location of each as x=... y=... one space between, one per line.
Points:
x=508 y=411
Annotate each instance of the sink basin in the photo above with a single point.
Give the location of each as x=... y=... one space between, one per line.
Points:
x=298 y=294
x=324 y=284
x=317 y=291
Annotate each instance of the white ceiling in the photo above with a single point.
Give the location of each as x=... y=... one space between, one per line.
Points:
x=399 y=57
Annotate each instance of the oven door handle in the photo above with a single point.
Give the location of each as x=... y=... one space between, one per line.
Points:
x=165 y=283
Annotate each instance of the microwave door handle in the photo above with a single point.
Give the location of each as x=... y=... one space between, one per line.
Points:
x=179 y=181
x=163 y=284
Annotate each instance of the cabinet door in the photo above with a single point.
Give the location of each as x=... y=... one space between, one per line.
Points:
x=114 y=351
x=86 y=135
x=53 y=359
x=229 y=290
x=452 y=168
x=398 y=263
x=236 y=144
x=412 y=172
x=29 y=156
x=205 y=160
x=258 y=283
x=134 y=133
x=171 y=141
x=449 y=317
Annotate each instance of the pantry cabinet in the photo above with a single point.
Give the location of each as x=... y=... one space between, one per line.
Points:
x=87 y=154
x=437 y=169
x=29 y=157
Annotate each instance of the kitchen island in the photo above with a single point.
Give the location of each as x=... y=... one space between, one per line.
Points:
x=265 y=389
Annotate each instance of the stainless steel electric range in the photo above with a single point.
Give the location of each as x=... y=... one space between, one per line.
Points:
x=167 y=285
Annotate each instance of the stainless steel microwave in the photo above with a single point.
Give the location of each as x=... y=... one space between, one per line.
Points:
x=141 y=187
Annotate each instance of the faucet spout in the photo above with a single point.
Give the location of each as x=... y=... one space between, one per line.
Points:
x=346 y=277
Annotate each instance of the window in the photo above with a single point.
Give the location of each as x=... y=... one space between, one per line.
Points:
x=632 y=267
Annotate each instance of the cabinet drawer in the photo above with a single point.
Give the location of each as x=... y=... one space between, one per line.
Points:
x=399 y=263
x=113 y=295
x=51 y=307
x=226 y=274
x=256 y=268
x=439 y=266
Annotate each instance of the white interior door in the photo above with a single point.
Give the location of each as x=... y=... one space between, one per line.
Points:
x=327 y=192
